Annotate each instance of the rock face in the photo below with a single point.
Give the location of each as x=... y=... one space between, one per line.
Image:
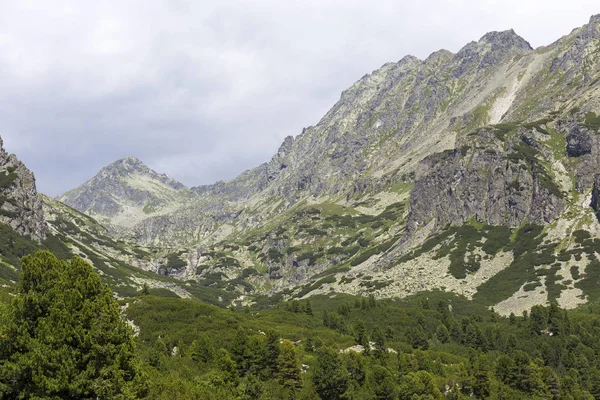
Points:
x=20 y=205
x=126 y=192
x=495 y=181
x=579 y=142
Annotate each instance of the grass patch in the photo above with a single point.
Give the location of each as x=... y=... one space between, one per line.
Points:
x=592 y=121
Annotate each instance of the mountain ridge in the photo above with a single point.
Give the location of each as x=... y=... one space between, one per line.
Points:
x=493 y=143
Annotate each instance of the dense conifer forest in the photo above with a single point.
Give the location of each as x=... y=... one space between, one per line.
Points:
x=62 y=336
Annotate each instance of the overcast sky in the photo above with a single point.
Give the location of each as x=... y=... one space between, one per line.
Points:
x=205 y=90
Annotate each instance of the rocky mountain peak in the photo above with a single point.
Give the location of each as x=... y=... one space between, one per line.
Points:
x=20 y=205
x=125 y=192
x=129 y=166
x=595 y=19
x=506 y=40
x=439 y=56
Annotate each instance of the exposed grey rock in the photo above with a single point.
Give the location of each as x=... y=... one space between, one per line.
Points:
x=20 y=205
x=479 y=179
x=578 y=142
x=595 y=204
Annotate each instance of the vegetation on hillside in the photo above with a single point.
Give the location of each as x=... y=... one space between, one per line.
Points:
x=62 y=337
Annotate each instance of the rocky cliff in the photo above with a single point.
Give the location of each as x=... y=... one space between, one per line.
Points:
x=20 y=205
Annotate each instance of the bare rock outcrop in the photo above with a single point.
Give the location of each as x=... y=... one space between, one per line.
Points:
x=20 y=205
x=487 y=178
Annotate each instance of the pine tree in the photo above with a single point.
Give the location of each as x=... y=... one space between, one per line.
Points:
x=227 y=368
x=272 y=350
x=419 y=385
x=239 y=349
x=65 y=336
x=145 y=290
x=326 y=319
x=372 y=301
x=356 y=366
x=329 y=375
x=379 y=340
x=287 y=365
x=482 y=378
x=295 y=306
x=202 y=349
x=360 y=334
x=381 y=382
x=442 y=334
x=308 y=308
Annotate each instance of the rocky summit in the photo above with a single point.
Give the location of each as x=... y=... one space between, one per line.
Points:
x=126 y=192
x=426 y=174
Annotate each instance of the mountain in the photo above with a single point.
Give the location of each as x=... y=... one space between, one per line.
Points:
x=473 y=172
x=31 y=221
x=20 y=205
x=125 y=192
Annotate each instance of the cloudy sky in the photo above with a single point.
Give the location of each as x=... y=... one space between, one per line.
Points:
x=202 y=90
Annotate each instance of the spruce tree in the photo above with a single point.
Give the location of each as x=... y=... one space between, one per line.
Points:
x=65 y=337
x=329 y=375
x=202 y=349
x=287 y=365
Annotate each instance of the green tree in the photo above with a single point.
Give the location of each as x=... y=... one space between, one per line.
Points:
x=442 y=334
x=482 y=378
x=538 y=319
x=227 y=368
x=360 y=334
x=356 y=367
x=287 y=365
x=382 y=383
x=505 y=369
x=379 y=340
x=202 y=349
x=65 y=337
x=372 y=301
x=271 y=350
x=294 y=306
x=158 y=354
x=308 y=308
x=419 y=385
x=329 y=375
x=145 y=290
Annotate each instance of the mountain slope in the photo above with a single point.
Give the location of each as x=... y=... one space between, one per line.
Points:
x=370 y=140
x=473 y=172
x=386 y=123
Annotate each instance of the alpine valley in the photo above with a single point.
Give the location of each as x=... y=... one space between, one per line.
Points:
x=476 y=173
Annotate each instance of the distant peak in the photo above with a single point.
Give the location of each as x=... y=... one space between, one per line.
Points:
x=408 y=59
x=126 y=165
x=130 y=160
x=442 y=54
x=507 y=39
